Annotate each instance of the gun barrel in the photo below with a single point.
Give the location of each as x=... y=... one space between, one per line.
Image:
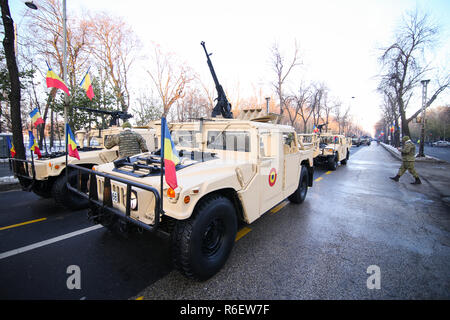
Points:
x=223 y=106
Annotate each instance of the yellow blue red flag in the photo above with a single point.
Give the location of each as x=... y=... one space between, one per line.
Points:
x=71 y=143
x=53 y=81
x=170 y=155
x=86 y=84
x=12 y=150
x=36 y=118
x=32 y=144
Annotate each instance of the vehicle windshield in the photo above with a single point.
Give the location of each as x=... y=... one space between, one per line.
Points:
x=184 y=139
x=327 y=140
x=229 y=140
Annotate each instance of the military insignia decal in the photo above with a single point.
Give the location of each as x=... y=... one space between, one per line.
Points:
x=272 y=177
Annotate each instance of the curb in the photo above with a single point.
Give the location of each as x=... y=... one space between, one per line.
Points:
x=396 y=154
x=10 y=186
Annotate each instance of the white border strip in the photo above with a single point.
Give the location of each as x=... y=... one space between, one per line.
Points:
x=47 y=242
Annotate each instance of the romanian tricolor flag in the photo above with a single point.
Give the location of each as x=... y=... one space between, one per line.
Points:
x=86 y=84
x=170 y=155
x=32 y=144
x=36 y=118
x=392 y=128
x=71 y=143
x=315 y=129
x=12 y=150
x=53 y=81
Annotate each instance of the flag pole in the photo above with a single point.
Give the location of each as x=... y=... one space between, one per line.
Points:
x=163 y=130
x=66 y=97
x=66 y=139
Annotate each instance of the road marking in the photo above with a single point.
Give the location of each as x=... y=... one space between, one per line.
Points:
x=47 y=242
x=140 y=298
x=22 y=223
x=279 y=207
x=242 y=233
x=318 y=179
x=328 y=172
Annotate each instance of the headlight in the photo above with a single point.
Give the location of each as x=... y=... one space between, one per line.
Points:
x=133 y=200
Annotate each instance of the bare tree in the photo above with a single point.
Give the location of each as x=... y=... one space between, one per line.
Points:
x=317 y=101
x=193 y=105
x=13 y=71
x=404 y=65
x=300 y=106
x=282 y=71
x=115 y=46
x=45 y=37
x=169 y=78
x=147 y=109
x=342 y=117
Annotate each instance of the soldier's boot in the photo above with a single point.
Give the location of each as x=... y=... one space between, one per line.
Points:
x=417 y=181
x=395 y=178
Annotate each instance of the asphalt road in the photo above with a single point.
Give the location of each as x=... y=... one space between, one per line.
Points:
x=352 y=218
x=442 y=153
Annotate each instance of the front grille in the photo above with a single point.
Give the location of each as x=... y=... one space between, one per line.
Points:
x=146 y=200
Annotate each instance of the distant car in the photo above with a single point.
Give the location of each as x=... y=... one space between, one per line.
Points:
x=441 y=143
x=356 y=141
x=365 y=141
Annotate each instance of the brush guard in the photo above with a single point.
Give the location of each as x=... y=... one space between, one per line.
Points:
x=21 y=169
x=106 y=204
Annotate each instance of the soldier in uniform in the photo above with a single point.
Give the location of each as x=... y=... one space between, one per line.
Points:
x=408 y=157
x=129 y=142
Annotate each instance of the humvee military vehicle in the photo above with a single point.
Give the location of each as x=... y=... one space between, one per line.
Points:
x=47 y=178
x=333 y=149
x=309 y=141
x=356 y=141
x=230 y=170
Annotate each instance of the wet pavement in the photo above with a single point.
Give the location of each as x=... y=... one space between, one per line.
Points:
x=352 y=218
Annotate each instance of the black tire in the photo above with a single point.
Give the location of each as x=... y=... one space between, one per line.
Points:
x=67 y=199
x=344 y=162
x=201 y=244
x=43 y=189
x=333 y=163
x=300 y=194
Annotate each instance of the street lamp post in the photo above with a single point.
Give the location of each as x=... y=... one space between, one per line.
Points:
x=267 y=105
x=422 y=131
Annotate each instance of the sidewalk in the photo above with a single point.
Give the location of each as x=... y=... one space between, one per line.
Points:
x=7 y=179
x=434 y=171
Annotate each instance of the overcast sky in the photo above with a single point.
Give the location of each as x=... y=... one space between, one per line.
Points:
x=338 y=40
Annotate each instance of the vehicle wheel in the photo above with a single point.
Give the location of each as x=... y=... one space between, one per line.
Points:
x=42 y=189
x=333 y=163
x=344 y=162
x=300 y=194
x=201 y=244
x=67 y=199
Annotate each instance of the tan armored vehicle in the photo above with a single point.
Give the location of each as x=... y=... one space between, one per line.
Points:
x=334 y=148
x=230 y=171
x=309 y=141
x=47 y=178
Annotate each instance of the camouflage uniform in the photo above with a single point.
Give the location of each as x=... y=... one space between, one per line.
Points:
x=408 y=152
x=408 y=157
x=129 y=142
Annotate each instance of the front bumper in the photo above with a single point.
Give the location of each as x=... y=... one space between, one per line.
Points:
x=104 y=204
x=25 y=171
